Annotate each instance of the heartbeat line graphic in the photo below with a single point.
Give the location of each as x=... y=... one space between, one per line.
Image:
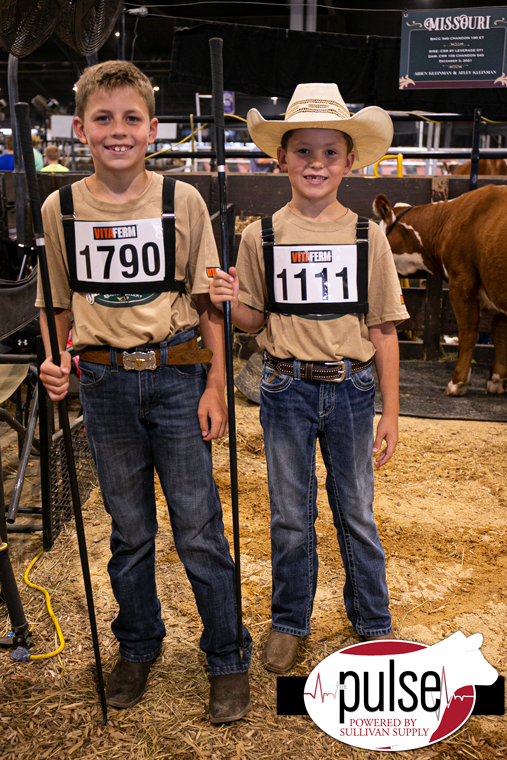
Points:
x=453 y=698
x=323 y=694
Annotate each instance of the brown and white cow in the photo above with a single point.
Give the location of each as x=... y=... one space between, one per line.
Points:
x=463 y=241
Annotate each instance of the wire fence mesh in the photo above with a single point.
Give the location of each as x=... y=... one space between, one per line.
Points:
x=61 y=499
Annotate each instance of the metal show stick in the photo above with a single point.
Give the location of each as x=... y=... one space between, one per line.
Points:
x=23 y=123
x=216 y=44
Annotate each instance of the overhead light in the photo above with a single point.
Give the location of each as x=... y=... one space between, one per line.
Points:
x=156 y=88
x=75 y=88
x=117 y=34
x=275 y=101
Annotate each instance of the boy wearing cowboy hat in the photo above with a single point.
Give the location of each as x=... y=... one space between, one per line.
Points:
x=327 y=282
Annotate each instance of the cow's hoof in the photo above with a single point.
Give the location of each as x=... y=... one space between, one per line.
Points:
x=456 y=389
x=496 y=385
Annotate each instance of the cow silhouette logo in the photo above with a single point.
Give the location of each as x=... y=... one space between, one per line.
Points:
x=397 y=695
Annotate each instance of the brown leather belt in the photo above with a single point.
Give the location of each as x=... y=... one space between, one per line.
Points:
x=184 y=353
x=331 y=371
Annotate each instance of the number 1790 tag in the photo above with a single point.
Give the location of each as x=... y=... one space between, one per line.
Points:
x=121 y=252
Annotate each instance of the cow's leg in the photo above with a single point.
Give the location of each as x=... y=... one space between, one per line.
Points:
x=498 y=371
x=465 y=302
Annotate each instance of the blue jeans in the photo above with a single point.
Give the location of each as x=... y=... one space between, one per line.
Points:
x=294 y=414
x=137 y=422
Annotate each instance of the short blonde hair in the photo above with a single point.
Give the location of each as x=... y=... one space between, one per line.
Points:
x=112 y=75
x=52 y=153
x=8 y=142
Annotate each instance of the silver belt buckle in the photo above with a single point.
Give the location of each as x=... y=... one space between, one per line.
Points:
x=342 y=367
x=139 y=360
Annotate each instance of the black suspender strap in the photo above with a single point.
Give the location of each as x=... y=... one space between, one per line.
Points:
x=362 y=242
x=268 y=241
x=169 y=230
x=68 y=217
x=169 y=233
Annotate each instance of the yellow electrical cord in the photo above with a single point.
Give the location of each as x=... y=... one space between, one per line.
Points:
x=51 y=614
x=424 y=118
x=233 y=116
x=185 y=139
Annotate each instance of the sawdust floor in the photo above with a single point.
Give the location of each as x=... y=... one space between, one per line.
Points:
x=441 y=507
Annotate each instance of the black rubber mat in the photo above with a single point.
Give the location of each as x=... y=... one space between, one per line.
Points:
x=422 y=386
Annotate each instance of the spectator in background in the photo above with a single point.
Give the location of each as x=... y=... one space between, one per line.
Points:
x=262 y=165
x=7 y=157
x=52 y=158
x=39 y=162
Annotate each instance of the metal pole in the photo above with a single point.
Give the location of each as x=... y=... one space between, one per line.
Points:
x=23 y=462
x=474 y=163
x=215 y=45
x=429 y=142
x=22 y=115
x=20 y=205
x=8 y=585
x=436 y=144
x=297 y=15
x=311 y=16
x=120 y=31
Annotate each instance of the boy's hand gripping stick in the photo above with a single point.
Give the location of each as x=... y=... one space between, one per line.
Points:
x=215 y=45
x=23 y=124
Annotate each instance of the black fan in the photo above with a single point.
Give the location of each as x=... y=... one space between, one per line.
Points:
x=84 y=25
x=26 y=24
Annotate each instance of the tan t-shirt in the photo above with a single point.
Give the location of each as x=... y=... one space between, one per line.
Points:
x=325 y=338
x=118 y=320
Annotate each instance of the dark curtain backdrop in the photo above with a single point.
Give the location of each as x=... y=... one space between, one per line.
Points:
x=269 y=62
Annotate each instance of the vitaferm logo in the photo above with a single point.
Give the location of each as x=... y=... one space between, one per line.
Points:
x=397 y=695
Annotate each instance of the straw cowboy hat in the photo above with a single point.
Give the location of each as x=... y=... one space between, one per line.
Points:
x=320 y=106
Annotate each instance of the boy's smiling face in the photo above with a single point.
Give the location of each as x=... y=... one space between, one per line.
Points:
x=316 y=161
x=117 y=128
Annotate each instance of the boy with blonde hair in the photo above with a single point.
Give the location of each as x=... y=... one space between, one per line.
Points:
x=53 y=160
x=128 y=252
x=327 y=283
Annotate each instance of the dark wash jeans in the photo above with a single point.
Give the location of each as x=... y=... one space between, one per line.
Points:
x=294 y=414
x=137 y=422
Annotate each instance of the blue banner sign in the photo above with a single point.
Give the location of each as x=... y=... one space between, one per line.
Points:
x=453 y=49
x=228 y=102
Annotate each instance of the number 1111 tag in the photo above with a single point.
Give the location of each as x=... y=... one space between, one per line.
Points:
x=315 y=274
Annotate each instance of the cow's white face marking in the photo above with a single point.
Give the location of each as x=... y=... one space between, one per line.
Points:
x=408 y=263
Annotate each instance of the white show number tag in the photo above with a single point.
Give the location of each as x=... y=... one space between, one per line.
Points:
x=315 y=274
x=120 y=252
